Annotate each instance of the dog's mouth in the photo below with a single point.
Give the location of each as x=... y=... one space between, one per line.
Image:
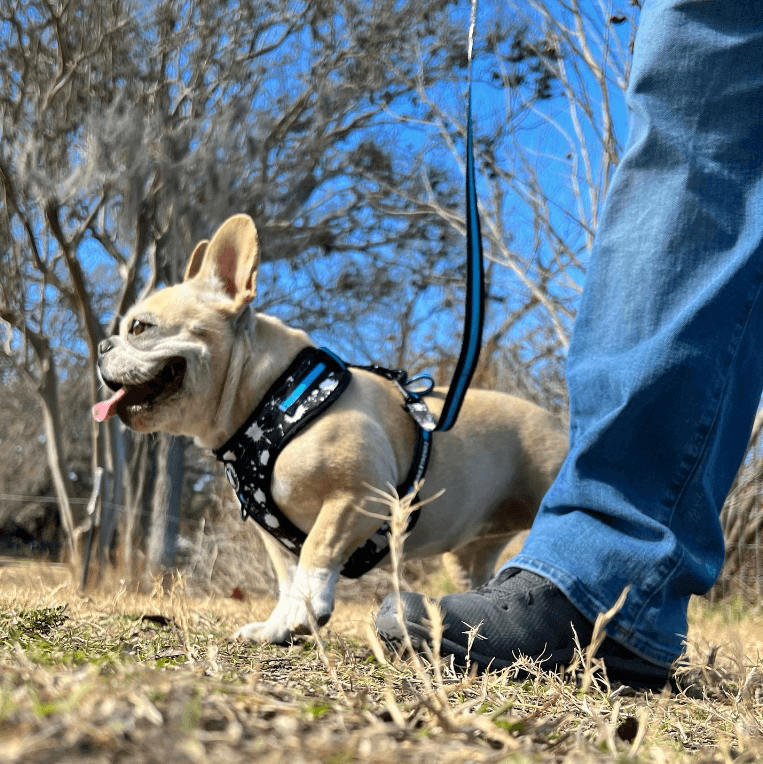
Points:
x=133 y=398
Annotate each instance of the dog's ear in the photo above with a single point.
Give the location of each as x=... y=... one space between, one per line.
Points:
x=194 y=262
x=231 y=259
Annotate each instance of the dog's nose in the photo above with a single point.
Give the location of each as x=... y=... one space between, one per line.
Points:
x=104 y=346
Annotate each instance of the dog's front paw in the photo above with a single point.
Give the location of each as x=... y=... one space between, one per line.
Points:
x=311 y=599
x=264 y=632
x=307 y=605
x=283 y=624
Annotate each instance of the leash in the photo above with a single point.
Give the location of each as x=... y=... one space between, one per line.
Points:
x=474 y=312
x=475 y=274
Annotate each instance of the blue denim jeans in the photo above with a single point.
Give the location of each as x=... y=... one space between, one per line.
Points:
x=665 y=367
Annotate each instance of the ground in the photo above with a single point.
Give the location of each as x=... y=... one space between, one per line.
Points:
x=117 y=677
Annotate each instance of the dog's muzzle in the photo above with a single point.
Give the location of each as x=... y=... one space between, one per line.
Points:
x=164 y=384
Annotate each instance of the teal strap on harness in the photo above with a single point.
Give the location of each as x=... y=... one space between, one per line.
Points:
x=475 y=276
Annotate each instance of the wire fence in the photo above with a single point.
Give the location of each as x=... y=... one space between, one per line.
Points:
x=742 y=523
x=205 y=550
x=41 y=500
x=741 y=520
x=219 y=554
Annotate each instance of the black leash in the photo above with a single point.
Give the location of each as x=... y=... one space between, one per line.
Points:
x=474 y=312
x=475 y=275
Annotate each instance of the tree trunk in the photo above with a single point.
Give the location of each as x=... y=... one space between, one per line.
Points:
x=112 y=505
x=165 y=511
x=135 y=499
x=46 y=388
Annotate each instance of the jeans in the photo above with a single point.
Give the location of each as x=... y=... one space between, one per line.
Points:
x=665 y=366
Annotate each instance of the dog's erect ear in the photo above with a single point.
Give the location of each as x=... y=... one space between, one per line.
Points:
x=231 y=258
x=194 y=262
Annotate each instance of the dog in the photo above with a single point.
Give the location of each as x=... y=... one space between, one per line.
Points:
x=195 y=359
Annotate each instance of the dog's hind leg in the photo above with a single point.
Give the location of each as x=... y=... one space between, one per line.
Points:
x=474 y=563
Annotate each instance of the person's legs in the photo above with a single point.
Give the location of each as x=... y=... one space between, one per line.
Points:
x=665 y=367
x=666 y=363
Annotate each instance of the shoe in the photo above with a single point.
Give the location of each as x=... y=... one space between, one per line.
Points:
x=517 y=613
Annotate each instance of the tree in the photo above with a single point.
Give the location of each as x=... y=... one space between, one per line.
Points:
x=549 y=120
x=127 y=134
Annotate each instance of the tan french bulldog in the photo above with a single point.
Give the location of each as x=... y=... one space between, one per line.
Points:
x=195 y=359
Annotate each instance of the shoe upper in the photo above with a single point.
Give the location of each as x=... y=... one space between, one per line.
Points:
x=517 y=613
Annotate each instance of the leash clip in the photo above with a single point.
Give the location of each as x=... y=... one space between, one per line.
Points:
x=414 y=399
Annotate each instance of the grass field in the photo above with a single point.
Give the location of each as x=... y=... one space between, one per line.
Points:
x=118 y=677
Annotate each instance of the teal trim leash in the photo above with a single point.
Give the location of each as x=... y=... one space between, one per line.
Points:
x=475 y=274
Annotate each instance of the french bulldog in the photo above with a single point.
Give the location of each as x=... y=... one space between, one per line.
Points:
x=195 y=359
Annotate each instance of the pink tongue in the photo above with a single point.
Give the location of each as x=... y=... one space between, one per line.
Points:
x=106 y=409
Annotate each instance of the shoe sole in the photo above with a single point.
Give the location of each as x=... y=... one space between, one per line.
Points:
x=623 y=671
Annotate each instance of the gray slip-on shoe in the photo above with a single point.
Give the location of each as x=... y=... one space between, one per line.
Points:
x=518 y=613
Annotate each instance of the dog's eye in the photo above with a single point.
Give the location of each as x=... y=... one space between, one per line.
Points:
x=137 y=327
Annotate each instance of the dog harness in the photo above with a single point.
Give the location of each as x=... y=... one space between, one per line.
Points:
x=315 y=380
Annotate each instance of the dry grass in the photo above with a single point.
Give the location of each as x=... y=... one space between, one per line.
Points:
x=153 y=678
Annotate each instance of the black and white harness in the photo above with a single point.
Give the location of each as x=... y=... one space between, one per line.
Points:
x=315 y=380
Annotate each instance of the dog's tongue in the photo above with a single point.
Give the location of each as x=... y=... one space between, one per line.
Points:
x=106 y=409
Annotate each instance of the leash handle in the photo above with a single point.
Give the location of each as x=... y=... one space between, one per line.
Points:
x=475 y=274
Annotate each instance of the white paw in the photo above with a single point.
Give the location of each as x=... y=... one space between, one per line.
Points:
x=311 y=599
x=307 y=605
x=265 y=632
x=251 y=631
